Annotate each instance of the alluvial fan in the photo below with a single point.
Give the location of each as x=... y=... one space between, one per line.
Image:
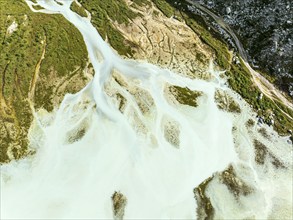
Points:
x=139 y=141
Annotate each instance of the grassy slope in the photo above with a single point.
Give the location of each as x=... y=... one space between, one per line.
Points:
x=102 y=13
x=19 y=54
x=77 y=9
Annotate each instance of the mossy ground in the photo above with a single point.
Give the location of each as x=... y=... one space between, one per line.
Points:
x=77 y=9
x=37 y=7
x=185 y=96
x=20 y=51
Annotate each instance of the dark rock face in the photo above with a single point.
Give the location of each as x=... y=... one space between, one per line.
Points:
x=265 y=28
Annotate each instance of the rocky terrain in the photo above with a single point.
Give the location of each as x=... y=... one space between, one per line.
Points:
x=266 y=32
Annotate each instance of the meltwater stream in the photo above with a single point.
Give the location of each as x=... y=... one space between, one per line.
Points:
x=87 y=149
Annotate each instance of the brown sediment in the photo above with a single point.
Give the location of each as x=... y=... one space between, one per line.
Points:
x=235 y=185
x=166 y=42
x=35 y=77
x=226 y=102
x=250 y=123
x=119 y=203
x=264 y=133
x=142 y=97
x=172 y=132
x=205 y=209
x=262 y=153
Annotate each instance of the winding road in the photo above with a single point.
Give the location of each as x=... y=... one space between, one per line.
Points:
x=262 y=83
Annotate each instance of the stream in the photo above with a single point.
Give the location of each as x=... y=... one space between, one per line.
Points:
x=86 y=149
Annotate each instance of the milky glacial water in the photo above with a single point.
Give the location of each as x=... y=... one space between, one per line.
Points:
x=87 y=149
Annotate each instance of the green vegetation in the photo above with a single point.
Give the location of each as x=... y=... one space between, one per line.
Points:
x=221 y=50
x=185 y=96
x=37 y=7
x=240 y=79
x=142 y=3
x=168 y=10
x=170 y=7
x=21 y=51
x=241 y=82
x=59 y=3
x=165 y=7
x=103 y=13
x=77 y=9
